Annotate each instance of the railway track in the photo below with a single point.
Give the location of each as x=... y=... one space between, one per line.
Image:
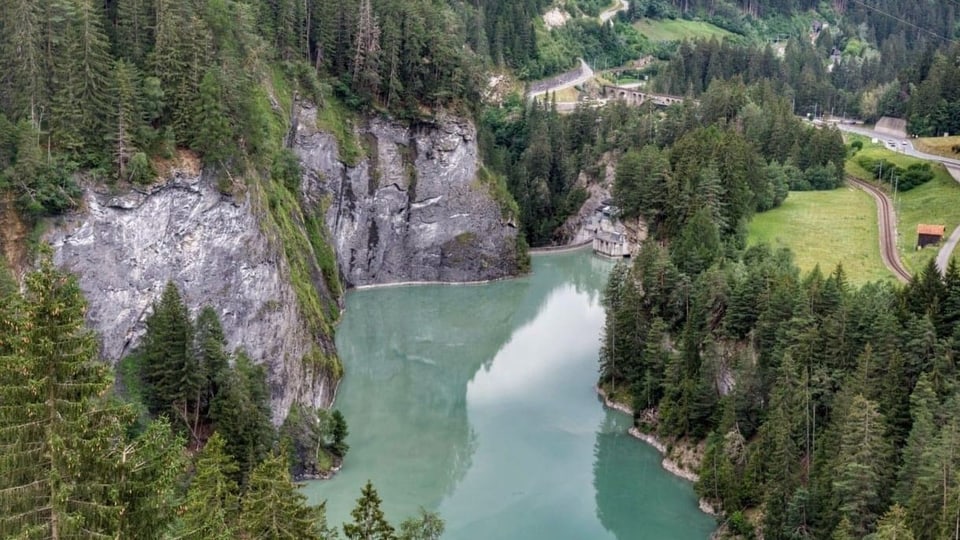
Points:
x=887 y=220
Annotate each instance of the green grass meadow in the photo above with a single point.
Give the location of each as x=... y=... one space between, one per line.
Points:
x=937 y=202
x=826 y=228
x=679 y=29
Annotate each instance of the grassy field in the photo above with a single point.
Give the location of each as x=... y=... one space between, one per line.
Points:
x=937 y=202
x=826 y=228
x=678 y=29
x=940 y=146
x=562 y=96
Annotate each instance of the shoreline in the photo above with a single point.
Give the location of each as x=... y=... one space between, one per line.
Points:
x=531 y=251
x=667 y=463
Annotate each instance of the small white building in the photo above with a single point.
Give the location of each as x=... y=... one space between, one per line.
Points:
x=609 y=234
x=611 y=244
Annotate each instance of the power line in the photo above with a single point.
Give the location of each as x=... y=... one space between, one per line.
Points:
x=904 y=21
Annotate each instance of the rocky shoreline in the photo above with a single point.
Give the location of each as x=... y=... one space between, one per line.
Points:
x=668 y=463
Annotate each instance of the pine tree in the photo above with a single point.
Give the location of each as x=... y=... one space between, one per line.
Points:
x=212 y=507
x=339 y=433
x=368 y=521
x=147 y=481
x=125 y=118
x=135 y=25
x=240 y=411
x=893 y=525
x=932 y=504
x=214 y=135
x=426 y=526
x=212 y=358
x=923 y=406
x=171 y=371
x=275 y=509
x=21 y=80
x=92 y=63
x=67 y=469
x=862 y=466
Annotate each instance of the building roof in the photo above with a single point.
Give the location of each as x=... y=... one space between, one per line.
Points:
x=935 y=230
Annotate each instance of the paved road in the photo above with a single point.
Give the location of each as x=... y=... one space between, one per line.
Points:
x=610 y=13
x=887 y=220
x=943 y=256
x=905 y=146
x=571 y=78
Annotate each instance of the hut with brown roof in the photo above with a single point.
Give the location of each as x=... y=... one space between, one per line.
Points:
x=929 y=234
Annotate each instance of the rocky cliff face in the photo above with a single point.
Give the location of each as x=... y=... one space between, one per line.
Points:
x=126 y=247
x=417 y=208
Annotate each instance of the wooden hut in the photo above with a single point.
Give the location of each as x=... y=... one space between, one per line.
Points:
x=929 y=234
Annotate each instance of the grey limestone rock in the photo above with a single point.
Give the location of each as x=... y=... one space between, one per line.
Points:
x=126 y=247
x=414 y=209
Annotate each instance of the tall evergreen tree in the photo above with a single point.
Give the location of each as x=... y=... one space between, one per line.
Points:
x=212 y=506
x=68 y=469
x=368 y=521
x=273 y=507
x=171 y=371
x=863 y=465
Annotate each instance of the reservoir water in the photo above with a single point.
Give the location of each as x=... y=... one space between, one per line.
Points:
x=477 y=402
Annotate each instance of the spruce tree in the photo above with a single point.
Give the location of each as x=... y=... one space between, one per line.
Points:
x=93 y=64
x=135 y=25
x=214 y=135
x=275 y=509
x=212 y=359
x=893 y=525
x=212 y=507
x=21 y=80
x=862 y=465
x=68 y=469
x=241 y=413
x=171 y=371
x=368 y=520
x=125 y=117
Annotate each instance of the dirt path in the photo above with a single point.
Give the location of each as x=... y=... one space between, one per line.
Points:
x=612 y=12
x=887 y=220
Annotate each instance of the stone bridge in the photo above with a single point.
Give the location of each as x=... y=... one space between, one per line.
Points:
x=634 y=97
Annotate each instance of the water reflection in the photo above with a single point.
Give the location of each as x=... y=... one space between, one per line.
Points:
x=477 y=401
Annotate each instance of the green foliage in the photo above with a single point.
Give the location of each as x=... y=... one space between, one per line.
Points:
x=274 y=508
x=212 y=506
x=240 y=411
x=312 y=265
x=333 y=117
x=338 y=432
x=171 y=371
x=214 y=135
x=819 y=429
x=69 y=466
x=368 y=521
x=426 y=526
x=914 y=175
x=286 y=169
x=312 y=436
x=496 y=185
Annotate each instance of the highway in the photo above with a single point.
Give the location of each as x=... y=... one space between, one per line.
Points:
x=903 y=145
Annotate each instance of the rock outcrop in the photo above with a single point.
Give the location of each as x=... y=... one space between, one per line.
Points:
x=218 y=250
x=417 y=208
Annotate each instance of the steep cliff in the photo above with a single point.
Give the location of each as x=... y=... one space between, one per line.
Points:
x=222 y=251
x=417 y=207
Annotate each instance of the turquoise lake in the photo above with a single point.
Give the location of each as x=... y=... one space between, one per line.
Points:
x=478 y=402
